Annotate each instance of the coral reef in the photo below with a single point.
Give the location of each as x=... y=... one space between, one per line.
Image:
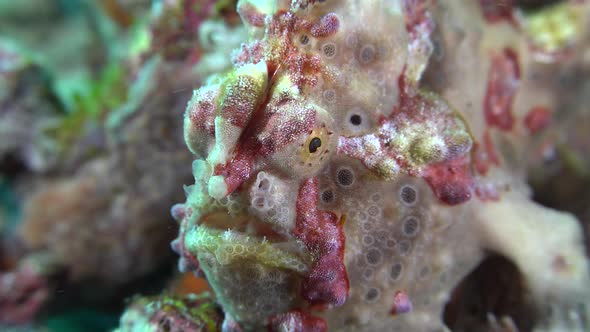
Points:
x=349 y=175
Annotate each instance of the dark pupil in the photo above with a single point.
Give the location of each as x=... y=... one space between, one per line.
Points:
x=314 y=144
x=355 y=119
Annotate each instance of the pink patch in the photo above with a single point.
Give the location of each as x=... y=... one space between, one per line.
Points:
x=252 y=52
x=401 y=303
x=178 y=212
x=503 y=82
x=327 y=26
x=286 y=126
x=238 y=114
x=238 y=169
x=327 y=282
x=487 y=192
x=450 y=181
x=297 y=321
x=202 y=117
x=537 y=119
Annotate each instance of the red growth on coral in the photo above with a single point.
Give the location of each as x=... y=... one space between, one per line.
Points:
x=321 y=232
x=495 y=11
x=537 y=119
x=450 y=181
x=297 y=321
x=503 y=82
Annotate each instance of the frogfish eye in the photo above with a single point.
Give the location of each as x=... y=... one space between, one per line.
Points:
x=314 y=151
x=314 y=144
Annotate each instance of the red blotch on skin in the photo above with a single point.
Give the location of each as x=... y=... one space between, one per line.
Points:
x=237 y=114
x=285 y=126
x=203 y=116
x=495 y=11
x=304 y=69
x=322 y=234
x=239 y=168
x=503 y=82
x=411 y=103
x=487 y=192
x=252 y=52
x=450 y=181
x=178 y=212
x=297 y=321
x=537 y=119
x=188 y=261
x=327 y=26
x=401 y=303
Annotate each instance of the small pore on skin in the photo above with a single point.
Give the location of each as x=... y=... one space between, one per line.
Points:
x=329 y=50
x=408 y=195
x=410 y=226
x=367 y=54
x=327 y=196
x=345 y=177
x=396 y=271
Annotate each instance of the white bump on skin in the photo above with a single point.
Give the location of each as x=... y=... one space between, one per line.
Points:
x=217 y=187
